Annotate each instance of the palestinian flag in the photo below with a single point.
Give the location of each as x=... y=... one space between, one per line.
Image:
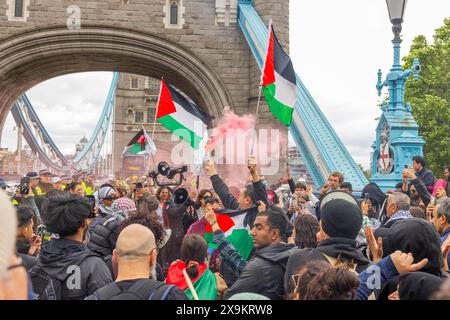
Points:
x=182 y=117
x=141 y=144
x=204 y=284
x=279 y=81
x=232 y=225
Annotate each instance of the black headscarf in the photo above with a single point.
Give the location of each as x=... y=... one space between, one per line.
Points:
x=412 y=286
x=418 y=237
x=418 y=286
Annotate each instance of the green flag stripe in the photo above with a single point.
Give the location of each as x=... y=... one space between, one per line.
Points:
x=136 y=148
x=278 y=109
x=241 y=240
x=205 y=286
x=181 y=131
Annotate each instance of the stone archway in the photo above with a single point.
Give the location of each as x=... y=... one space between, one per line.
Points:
x=30 y=58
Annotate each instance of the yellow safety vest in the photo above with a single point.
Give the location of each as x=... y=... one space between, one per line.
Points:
x=15 y=202
x=88 y=190
x=38 y=191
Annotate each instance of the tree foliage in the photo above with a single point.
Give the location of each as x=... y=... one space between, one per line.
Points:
x=430 y=95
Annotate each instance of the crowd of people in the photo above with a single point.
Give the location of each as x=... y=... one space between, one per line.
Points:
x=69 y=238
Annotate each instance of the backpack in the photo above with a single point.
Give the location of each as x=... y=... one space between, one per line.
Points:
x=48 y=287
x=143 y=289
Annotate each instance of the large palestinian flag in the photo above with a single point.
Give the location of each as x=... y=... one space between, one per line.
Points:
x=232 y=225
x=204 y=284
x=140 y=144
x=279 y=81
x=182 y=117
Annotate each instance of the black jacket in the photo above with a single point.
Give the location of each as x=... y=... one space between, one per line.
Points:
x=264 y=273
x=230 y=202
x=345 y=249
x=102 y=235
x=22 y=248
x=427 y=177
x=60 y=258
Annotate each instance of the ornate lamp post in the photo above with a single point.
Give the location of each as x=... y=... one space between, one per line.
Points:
x=397 y=138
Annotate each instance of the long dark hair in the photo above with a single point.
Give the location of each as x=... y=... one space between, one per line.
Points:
x=193 y=248
x=201 y=194
x=306 y=228
x=335 y=283
x=160 y=189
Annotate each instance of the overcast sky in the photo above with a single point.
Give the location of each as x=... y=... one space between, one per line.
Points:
x=337 y=48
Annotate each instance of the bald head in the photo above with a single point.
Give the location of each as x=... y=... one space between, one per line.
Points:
x=135 y=242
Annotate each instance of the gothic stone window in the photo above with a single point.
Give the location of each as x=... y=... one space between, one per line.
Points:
x=174 y=14
x=18 y=10
x=151 y=113
x=139 y=117
x=134 y=83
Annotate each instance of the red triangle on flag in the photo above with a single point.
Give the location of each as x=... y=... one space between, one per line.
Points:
x=225 y=223
x=165 y=103
x=269 y=65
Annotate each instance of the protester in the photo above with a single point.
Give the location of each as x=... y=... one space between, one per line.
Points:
x=346 y=187
x=397 y=209
x=103 y=230
x=264 y=272
x=334 y=181
x=247 y=198
x=415 y=286
x=378 y=200
x=340 y=224
x=205 y=285
x=75 y=188
x=28 y=244
x=63 y=258
x=136 y=254
x=447 y=178
x=306 y=228
x=441 y=221
x=417 y=237
x=163 y=195
x=422 y=173
x=418 y=212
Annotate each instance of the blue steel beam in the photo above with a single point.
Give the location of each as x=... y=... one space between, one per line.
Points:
x=32 y=141
x=316 y=140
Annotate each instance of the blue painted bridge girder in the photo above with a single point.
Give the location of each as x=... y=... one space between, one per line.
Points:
x=322 y=150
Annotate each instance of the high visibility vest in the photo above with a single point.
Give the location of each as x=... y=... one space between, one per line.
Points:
x=62 y=187
x=38 y=191
x=88 y=190
x=15 y=202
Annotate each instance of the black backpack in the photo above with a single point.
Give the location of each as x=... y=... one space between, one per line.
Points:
x=49 y=287
x=143 y=289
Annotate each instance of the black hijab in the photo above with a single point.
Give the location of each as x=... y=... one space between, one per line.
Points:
x=418 y=286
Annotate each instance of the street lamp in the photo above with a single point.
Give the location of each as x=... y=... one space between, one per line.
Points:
x=396 y=10
x=397 y=138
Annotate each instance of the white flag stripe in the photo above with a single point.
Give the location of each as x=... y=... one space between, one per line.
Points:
x=285 y=91
x=188 y=120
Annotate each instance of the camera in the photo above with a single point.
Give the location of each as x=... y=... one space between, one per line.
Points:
x=165 y=170
x=24 y=186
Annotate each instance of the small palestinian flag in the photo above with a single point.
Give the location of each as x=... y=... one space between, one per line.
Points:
x=232 y=225
x=141 y=144
x=182 y=117
x=279 y=81
x=204 y=284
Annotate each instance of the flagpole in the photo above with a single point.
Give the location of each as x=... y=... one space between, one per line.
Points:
x=156 y=111
x=154 y=121
x=259 y=93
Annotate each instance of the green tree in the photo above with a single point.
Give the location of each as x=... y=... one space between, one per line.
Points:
x=430 y=95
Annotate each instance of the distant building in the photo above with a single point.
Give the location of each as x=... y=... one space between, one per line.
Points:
x=297 y=165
